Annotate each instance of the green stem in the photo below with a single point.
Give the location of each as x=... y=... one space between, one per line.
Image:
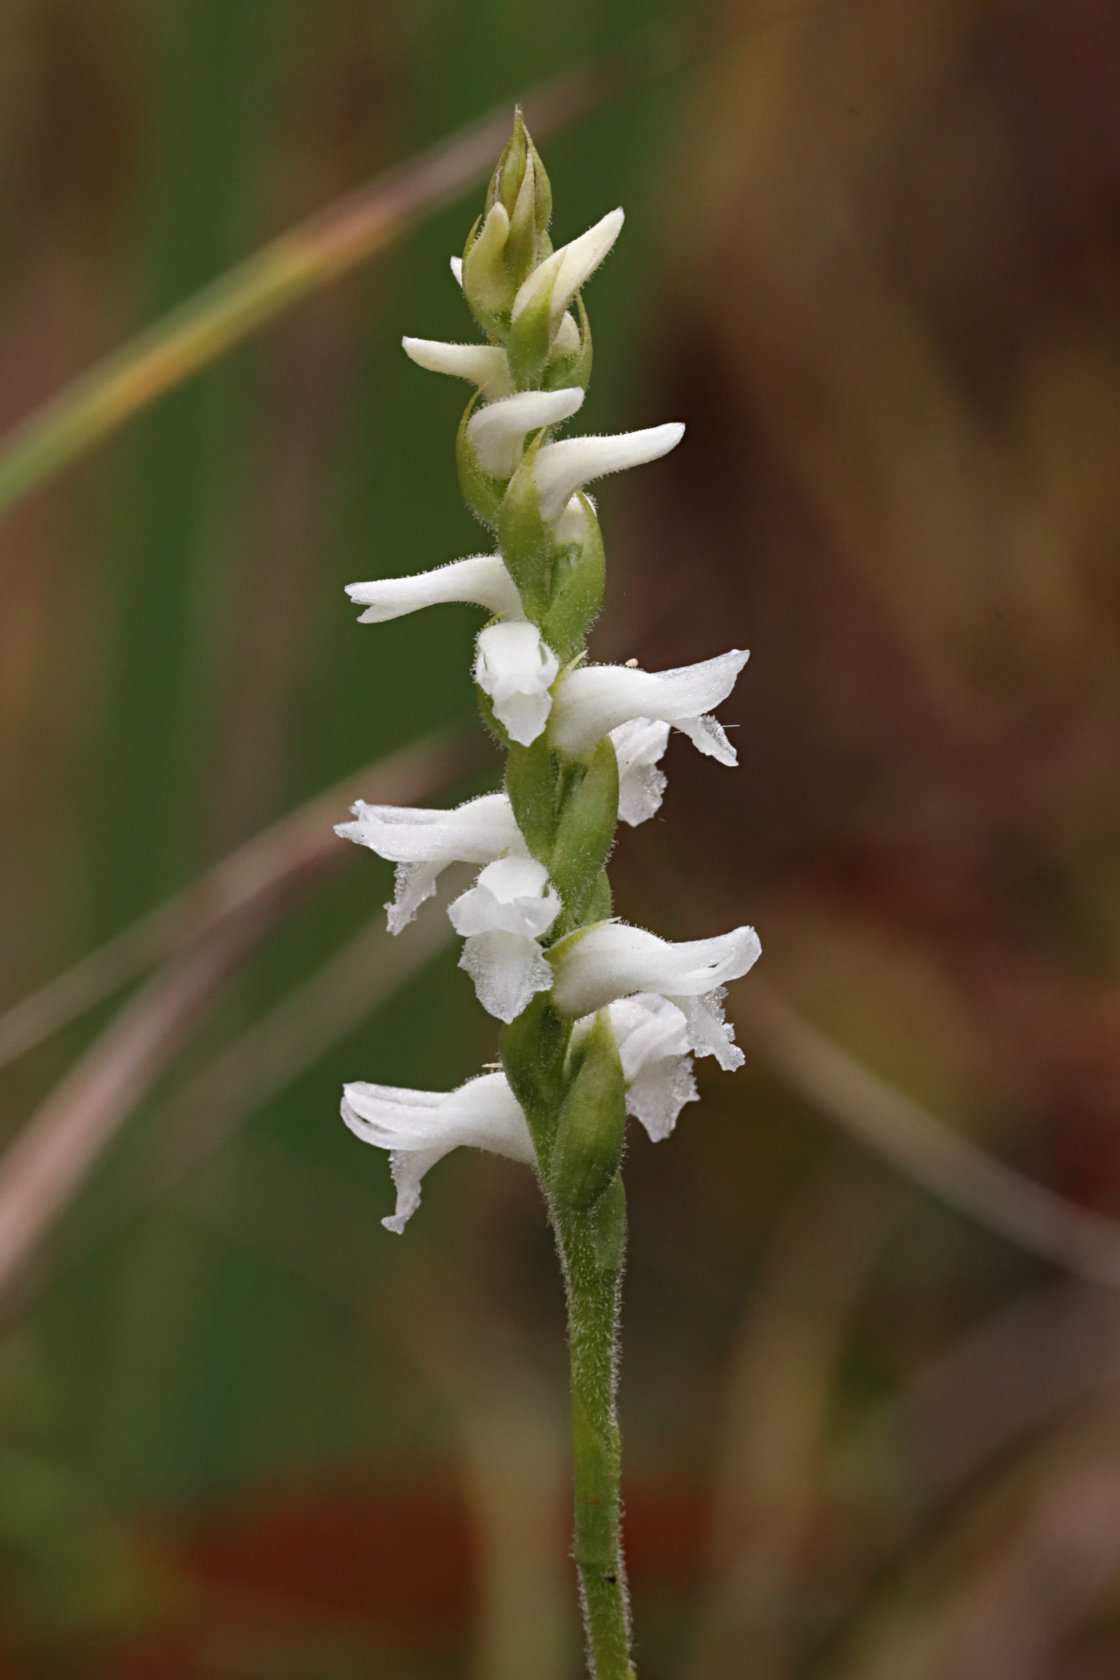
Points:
x=592 y=1246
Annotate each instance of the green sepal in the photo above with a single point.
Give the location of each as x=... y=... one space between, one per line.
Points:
x=591 y=1128
x=526 y=542
x=600 y=901
x=530 y=342
x=487 y=285
x=572 y=367
x=521 y=182
x=532 y=782
x=533 y=1049
x=578 y=578
x=585 y=830
x=481 y=491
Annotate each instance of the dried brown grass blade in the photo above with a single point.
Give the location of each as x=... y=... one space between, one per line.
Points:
x=53 y=1154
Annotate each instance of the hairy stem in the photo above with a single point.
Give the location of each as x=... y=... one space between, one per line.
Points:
x=592 y=1247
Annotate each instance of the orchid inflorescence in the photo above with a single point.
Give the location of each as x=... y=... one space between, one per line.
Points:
x=601 y=1019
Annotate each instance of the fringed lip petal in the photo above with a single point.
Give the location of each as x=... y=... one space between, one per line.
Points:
x=481 y=580
x=419 y=1128
x=563 y=468
x=422 y=843
x=596 y=699
x=498 y=431
x=502 y=919
x=639 y=746
x=517 y=668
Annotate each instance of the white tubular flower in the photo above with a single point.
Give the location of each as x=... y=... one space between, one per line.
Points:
x=502 y=918
x=480 y=579
x=638 y=746
x=497 y=432
x=612 y=961
x=457 y=270
x=566 y=270
x=517 y=668
x=485 y=365
x=596 y=699
x=422 y=843
x=421 y=1127
x=564 y=467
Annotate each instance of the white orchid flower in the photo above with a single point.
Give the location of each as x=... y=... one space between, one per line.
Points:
x=485 y=365
x=653 y=1046
x=422 y=843
x=595 y=699
x=517 y=668
x=564 y=467
x=639 y=746
x=497 y=432
x=480 y=579
x=420 y=1127
x=612 y=961
x=502 y=918
x=562 y=274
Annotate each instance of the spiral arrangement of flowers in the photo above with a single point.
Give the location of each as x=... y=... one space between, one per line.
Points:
x=600 y=1019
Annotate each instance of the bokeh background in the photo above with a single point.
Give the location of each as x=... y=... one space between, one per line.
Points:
x=870 y=1399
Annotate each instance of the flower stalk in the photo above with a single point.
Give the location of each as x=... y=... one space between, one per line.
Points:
x=600 y=1020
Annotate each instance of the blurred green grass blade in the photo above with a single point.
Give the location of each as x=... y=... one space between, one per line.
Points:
x=54 y=1152
x=298 y=848
x=299 y=262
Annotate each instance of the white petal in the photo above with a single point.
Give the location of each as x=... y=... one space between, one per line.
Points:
x=566 y=270
x=570 y=528
x=612 y=961
x=708 y=1033
x=507 y=969
x=657 y=1095
x=516 y=668
x=420 y=1127
x=485 y=365
x=638 y=746
x=595 y=699
x=414 y=884
x=512 y=895
x=422 y=843
x=653 y=1041
x=457 y=269
x=480 y=578
x=565 y=466
x=498 y=431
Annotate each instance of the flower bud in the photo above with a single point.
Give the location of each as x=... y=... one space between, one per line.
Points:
x=513 y=237
x=592 y=1125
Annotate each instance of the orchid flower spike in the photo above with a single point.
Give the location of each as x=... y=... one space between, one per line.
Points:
x=481 y=580
x=600 y=1020
x=611 y=961
x=420 y=1127
x=422 y=843
x=592 y=701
